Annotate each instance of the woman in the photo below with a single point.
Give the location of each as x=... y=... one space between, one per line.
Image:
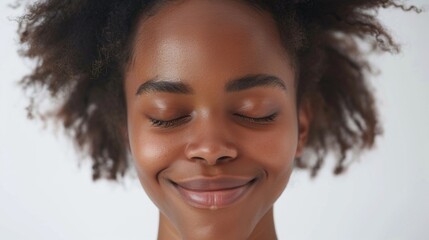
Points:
x=215 y=101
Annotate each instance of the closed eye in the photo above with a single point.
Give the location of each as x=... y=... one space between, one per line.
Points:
x=183 y=119
x=260 y=120
x=169 y=123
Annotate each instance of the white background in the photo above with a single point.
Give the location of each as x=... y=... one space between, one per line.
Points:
x=384 y=195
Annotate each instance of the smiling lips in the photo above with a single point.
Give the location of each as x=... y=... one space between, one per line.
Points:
x=213 y=193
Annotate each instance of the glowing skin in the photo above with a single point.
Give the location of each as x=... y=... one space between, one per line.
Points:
x=187 y=59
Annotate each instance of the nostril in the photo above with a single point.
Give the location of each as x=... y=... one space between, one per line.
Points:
x=211 y=153
x=214 y=161
x=224 y=159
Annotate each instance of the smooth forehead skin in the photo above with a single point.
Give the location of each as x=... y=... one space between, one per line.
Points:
x=205 y=44
x=187 y=37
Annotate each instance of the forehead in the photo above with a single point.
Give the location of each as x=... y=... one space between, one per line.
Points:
x=193 y=38
x=205 y=18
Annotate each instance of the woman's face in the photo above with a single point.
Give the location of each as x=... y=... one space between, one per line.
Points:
x=212 y=118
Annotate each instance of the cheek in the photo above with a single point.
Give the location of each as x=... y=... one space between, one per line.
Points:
x=275 y=150
x=148 y=153
x=151 y=152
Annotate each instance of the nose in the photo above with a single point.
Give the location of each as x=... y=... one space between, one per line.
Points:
x=211 y=144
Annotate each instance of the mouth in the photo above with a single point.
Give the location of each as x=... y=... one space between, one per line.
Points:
x=213 y=193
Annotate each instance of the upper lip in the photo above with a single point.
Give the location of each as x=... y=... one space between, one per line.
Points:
x=213 y=184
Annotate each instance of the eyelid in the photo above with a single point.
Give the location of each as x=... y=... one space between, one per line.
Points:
x=169 y=123
x=261 y=120
x=183 y=119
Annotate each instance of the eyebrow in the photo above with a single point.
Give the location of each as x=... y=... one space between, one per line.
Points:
x=169 y=86
x=239 y=84
x=254 y=80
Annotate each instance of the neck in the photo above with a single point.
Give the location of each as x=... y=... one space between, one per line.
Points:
x=265 y=229
x=166 y=230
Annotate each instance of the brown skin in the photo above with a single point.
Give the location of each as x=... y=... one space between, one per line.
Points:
x=82 y=48
x=205 y=44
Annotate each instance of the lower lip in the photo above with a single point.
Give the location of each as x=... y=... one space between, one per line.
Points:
x=213 y=199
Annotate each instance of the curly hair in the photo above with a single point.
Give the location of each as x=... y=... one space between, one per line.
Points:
x=82 y=48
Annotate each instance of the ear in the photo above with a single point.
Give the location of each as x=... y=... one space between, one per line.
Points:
x=304 y=122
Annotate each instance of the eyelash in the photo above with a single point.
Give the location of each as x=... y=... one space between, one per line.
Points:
x=170 y=123
x=177 y=121
x=261 y=120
